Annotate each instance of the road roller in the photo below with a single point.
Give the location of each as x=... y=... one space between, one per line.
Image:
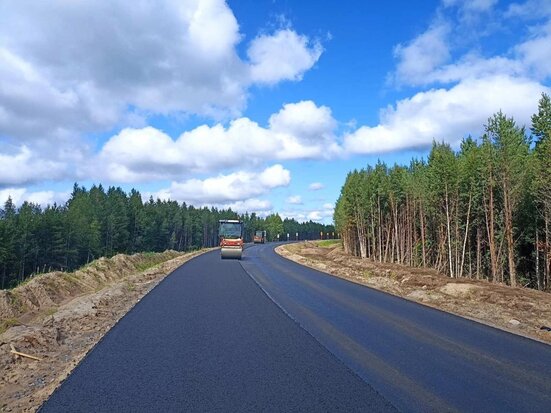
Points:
x=230 y=232
x=259 y=237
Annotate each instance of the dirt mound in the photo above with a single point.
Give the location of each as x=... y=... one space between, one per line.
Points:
x=458 y=289
x=52 y=289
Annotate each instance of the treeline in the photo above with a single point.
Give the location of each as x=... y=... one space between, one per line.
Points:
x=95 y=223
x=483 y=212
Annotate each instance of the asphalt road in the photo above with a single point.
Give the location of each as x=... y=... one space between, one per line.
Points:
x=418 y=358
x=209 y=339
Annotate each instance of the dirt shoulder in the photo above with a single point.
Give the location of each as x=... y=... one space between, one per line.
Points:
x=59 y=317
x=519 y=310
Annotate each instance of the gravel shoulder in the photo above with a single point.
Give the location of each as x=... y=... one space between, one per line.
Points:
x=59 y=317
x=521 y=311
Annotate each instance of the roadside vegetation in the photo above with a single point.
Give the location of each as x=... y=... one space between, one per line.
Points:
x=97 y=223
x=483 y=212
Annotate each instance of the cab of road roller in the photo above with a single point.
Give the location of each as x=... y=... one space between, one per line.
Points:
x=230 y=232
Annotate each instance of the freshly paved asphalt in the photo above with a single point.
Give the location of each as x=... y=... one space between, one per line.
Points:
x=209 y=339
x=418 y=358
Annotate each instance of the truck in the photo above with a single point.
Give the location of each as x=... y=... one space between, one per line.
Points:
x=230 y=233
x=259 y=237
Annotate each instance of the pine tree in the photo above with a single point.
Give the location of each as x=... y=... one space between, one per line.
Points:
x=541 y=129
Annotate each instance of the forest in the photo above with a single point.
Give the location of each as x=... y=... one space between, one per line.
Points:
x=101 y=223
x=483 y=211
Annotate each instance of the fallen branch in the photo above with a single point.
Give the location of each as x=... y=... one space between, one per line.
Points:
x=18 y=353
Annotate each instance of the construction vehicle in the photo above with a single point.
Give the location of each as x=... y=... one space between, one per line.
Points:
x=230 y=232
x=259 y=237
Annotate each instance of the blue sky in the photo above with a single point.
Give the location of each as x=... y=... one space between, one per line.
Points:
x=258 y=105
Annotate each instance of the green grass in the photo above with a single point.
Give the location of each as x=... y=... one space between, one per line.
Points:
x=129 y=286
x=368 y=274
x=328 y=242
x=50 y=311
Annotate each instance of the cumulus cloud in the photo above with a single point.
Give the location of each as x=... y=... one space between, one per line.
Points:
x=285 y=55
x=306 y=121
x=42 y=198
x=422 y=55
x=426 y=59
x=25 y=166
x=471 y=5
x=316 y=186
x=80 y=67
x=446 y=114
x=472 y=86
x=535 y=53
x=261 y=207
x=294 y=200
x=230 y=188
x=529 y=9
x=298 y=131
x=324 y=214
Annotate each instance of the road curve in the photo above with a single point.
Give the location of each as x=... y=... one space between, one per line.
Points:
x=418 y=358
x=208 y=338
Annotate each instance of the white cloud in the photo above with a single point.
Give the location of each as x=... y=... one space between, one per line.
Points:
x=260 y=207
x=42 y=198
x=314 y=216
x=227 y=189
x=529 y=9
x=25 y=166
x=476 y=85
x=316 y=186
x=422 y=55
x=423 y=61
x=298 y=131
x=285 y=55
x=323 y=214
x=16 y=195
x=79 y=67
x=447 y=114
x=535 y=53
x=472 y=12
x=294 y=200
x=471 y=5
x=304 y=120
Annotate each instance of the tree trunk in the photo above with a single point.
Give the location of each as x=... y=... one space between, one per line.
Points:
x=395 y=215
x=360 y=228
x=547 y=252
x=422 y=217
x=466 y=235
x=489 y=212
x=380 y=230
x=538 y=259
x=373 y=237
x=509 y=235
x=449 y=233
x=478 y=257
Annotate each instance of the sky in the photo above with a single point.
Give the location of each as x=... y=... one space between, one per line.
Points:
x=259 y=105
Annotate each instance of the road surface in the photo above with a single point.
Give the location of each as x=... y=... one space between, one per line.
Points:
x=265 y=334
